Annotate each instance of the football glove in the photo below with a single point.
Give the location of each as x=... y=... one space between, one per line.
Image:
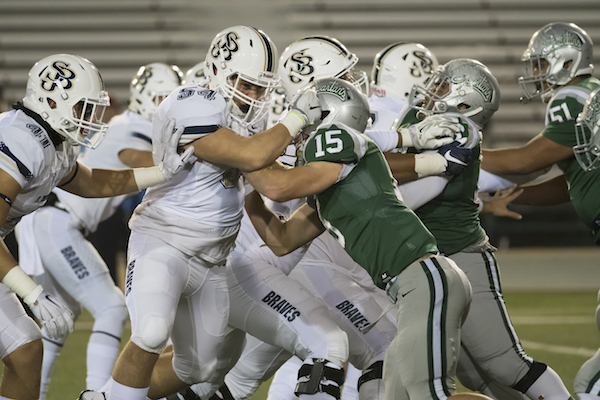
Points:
x=56 y=319
x=164 y=150
x=457 y=158
x=304 y=110
x=434 y=131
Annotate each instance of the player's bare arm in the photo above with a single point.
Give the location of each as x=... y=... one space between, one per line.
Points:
x=537 y=154
x=87 y=182
x=224 y=146
x=549 y=193
x=283 y=237
x=282 y=184
x=402 y=166
x=134 y=158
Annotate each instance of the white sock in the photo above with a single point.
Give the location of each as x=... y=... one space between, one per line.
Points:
x=122 y=392
x=102 y=351
x=284 y=381
x=548 y=386
x=51 y=352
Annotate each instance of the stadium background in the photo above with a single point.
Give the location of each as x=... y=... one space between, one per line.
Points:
x=549 y=250
x=121 y=35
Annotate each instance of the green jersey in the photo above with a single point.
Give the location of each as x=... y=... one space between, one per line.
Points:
x=561 y=115
x=363 y=210
x=453 y=216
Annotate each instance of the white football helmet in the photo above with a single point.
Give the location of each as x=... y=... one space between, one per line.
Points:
x=67 y=91
x=556 y=53
x=195 y=74
x=318 y=57
x=462 y=86
x=587 y=130
x=242 y=59
x=400 y=66
x=150 y=86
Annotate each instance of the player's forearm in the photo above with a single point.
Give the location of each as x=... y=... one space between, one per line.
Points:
x=267 y=224
x=549 y=193
x=7 y=261
x=402 y=166
x=102 y=183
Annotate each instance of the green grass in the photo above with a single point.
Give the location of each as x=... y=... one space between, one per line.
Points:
x=551 y=340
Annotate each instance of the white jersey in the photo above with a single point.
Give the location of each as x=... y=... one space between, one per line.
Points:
x=204 y=200
x=128 y=130
x=384 y=111
x=28 y=155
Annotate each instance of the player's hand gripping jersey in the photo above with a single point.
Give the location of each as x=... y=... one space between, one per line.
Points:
x=363 y=210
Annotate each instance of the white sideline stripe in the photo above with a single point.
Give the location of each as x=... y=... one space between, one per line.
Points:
x=578 y=351
x=553 y=320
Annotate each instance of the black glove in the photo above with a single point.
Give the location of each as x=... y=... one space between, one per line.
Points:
x=457 y=158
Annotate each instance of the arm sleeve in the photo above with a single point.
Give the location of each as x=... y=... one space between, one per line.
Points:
x=385 y=140
x=422 y=191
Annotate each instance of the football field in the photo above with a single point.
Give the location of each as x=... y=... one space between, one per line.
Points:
x=551 y=296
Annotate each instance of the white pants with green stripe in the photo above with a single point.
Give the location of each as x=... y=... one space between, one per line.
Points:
x=433 y=298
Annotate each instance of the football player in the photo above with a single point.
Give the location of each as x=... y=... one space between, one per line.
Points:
x=558 y=69
x=357 y=202
x=183 y=232
x=40 y=141
x=52 y=240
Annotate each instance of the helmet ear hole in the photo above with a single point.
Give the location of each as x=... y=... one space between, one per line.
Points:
x=51 y=103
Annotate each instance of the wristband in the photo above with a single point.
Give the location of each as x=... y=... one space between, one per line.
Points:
x=430 y=164
x=406 y=139
x=19 y=282
x=293 y=122
x=148 y=176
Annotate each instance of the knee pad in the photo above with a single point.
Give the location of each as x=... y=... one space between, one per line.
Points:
x=153 y=335
x=536 y=370
x=319 y=375
x=111 y=321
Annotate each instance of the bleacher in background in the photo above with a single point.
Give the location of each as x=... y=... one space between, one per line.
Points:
x=121 y=35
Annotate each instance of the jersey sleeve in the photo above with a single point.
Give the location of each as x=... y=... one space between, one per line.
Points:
x=561 y=115
x=201 y=111
x=135 y=133
x=20 y=155
x=335 y=143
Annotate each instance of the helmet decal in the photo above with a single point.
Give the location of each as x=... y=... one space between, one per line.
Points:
x=300 y=64
x=60 y=73
x=227 y=45
x=553 y=43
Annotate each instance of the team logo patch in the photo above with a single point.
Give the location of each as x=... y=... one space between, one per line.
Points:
x=60 y=72
x=225 y=46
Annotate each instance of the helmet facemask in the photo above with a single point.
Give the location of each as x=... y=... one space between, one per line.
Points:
x=248 y=99
x=587 y=132
x=461 y=86
x=87 y=125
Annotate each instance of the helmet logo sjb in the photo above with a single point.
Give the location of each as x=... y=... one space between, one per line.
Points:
x=301 y=66
x=62 y=73
x=226 y=45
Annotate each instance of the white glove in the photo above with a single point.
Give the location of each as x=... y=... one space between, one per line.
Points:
x=304 y=110
x=55 y=318
x=434 y=131
x=164 y=150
